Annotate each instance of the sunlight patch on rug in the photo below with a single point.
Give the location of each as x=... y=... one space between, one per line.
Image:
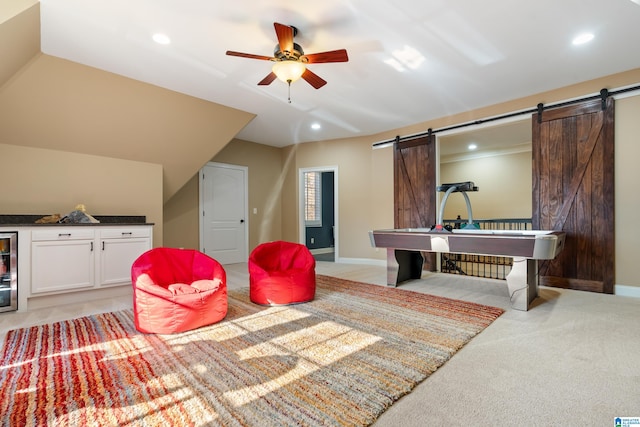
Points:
x=341 y=359
x=317 y=347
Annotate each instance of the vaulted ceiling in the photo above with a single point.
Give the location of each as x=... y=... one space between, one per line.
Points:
x=409 y=60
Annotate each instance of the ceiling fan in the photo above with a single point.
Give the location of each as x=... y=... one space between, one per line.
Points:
x=290 y=60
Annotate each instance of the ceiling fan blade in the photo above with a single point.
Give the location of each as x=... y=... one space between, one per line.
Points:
x=339 y=55
x=285 y=37
x=313 y=79
x=250 y=55
x=267 y=80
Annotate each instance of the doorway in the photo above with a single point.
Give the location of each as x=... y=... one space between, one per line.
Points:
x=318 y=209
x=223 y=212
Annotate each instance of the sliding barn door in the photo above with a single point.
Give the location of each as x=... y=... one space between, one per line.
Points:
x=573 y=191
x=415 y=187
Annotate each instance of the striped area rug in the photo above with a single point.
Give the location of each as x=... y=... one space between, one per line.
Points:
x=339 y=360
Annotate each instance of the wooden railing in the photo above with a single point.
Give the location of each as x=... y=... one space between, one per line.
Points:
x=491 y=267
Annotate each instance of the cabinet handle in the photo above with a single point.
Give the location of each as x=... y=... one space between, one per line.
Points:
x=127 y=233
x=64 y=234
x=103 y=246
x=91 y=246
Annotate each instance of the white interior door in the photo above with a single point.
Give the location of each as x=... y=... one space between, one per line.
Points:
x=223 y=208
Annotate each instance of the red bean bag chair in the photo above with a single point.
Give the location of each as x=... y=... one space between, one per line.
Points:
x=176 y=290
x=281 y=273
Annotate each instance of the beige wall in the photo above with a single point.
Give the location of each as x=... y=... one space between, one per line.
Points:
x=504 y=186
x=362 y=179
x=290 y=200
x=56 y=109
x=11 y=8
x=365 y=188
x=38 y=181
x=82 y=135
x=19 y=36
x=272 y=178
x=367 y=203
x=60 y=121
x=627 y=201
x=51 y=103
x=181 y=219
x=265 y=179
x=59 y=104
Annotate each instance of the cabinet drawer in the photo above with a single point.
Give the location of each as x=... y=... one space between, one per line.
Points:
x=124 y=233
x=62 y=234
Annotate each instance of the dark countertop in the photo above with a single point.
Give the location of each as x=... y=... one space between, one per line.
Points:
x=30 y=221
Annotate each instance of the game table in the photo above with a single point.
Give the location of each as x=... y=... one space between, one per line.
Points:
x=526 y=247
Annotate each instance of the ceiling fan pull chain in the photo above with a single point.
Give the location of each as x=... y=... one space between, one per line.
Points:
x=289 y=91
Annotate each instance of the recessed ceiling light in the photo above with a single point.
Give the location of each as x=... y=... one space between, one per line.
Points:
x=582 y=38
x=316 y=126
x=472 y=147
x=161 y=38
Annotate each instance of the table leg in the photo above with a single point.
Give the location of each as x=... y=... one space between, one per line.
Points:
x=522 y=282
x=403 y=265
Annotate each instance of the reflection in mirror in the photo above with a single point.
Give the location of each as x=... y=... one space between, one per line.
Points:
x=500 y=166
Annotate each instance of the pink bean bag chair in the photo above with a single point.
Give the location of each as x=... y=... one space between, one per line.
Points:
x=281 y=273
x=176 y=290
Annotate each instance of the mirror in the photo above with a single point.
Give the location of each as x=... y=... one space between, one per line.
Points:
x=500 y=166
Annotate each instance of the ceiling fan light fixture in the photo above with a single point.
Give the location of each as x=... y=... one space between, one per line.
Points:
x=288 y=71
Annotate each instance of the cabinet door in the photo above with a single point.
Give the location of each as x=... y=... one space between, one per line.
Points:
x=116 y=258
x=61 y=265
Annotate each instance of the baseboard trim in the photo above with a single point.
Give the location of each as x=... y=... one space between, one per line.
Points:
x=620 y=290
x=627 y=291
x=363 y=261
x=319 y=251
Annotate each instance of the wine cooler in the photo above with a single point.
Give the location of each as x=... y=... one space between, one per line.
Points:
x=8 y=271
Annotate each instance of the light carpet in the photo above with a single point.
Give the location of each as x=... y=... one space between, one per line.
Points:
x=341 y=359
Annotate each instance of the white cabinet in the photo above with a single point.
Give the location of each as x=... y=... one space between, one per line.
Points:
x=62 y=259
x=118 y=248
x=87 y=257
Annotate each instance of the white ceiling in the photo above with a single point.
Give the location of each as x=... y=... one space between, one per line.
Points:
x=475 y=53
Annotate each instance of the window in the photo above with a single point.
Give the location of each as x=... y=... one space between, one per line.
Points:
x=313 y=199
